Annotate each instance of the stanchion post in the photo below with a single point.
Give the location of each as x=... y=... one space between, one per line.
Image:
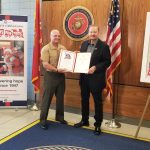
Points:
x=141 y=120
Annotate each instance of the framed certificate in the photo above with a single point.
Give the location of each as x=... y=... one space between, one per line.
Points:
x=74 y=62
x=66 y=60
x=82 y=63
x=145 y=70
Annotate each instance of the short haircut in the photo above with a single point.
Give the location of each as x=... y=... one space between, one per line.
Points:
x=54 y=30
x=92 y=25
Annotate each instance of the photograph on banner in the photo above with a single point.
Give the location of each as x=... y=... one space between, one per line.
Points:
x=13 y=59
x=74 y=62
x=145 y=70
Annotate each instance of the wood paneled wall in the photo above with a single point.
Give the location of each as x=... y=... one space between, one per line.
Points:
x=130 y=94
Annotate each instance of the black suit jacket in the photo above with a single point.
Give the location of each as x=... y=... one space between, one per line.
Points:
x=100 y=58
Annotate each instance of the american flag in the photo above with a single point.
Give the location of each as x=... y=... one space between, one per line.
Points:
x=114 y=42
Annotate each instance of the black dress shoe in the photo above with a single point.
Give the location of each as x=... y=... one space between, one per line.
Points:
x=81 y=123
x=44 y=126
x=97 y=131
x=62 y=121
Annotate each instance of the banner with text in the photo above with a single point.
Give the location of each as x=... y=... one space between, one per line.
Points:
x=13 y=60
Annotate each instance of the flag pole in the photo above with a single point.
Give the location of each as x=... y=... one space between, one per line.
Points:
x=36 y=52
x=113 y=40
x=142 y=117
x=113 y=123
x=35 y=107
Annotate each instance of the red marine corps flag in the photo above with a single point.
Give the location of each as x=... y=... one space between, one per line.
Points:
x=37 y=49
x=114 y=42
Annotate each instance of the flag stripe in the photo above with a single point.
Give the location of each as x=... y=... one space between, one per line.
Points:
x=113 y=58
x=114 y=65
x=116 y=35
x=109 y=83
x=111 y=34
x=116 y=48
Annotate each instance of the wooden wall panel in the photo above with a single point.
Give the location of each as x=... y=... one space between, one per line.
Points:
x=132 y=100
x=133 y=29
x=73 y=98
x=130 y=94
x=54 y=11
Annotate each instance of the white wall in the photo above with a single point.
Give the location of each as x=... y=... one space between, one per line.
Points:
x=24 y=8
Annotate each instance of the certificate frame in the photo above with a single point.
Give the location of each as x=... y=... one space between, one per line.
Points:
x=82 y=62
x=66 y=60
x=74 y=62
x=145 y=69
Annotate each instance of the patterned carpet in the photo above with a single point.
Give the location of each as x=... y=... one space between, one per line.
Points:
x=66 y=137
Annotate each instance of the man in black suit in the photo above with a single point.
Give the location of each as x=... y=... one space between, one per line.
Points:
x=94 y=81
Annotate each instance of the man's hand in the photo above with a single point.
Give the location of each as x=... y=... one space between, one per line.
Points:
x=77 y=51
x=49 y=67
x=61 y=71
x=92 y=70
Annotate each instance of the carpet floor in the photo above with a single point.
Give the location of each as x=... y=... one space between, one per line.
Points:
x=66 y=137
